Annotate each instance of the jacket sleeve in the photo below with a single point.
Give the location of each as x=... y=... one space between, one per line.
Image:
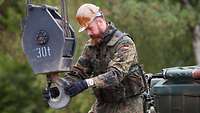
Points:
x=125 y=55
x=81 y=70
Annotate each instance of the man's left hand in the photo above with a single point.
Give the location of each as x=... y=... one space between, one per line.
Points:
x=76 y=88
x=79 y=86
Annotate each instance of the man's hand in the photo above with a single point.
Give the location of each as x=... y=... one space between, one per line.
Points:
x=54 y=76
x=52 y=93
x=78 y=87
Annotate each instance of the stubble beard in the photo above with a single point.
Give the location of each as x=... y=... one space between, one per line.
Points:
x=97 y=39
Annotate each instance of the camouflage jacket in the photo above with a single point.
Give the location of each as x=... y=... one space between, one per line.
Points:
x=108 y=64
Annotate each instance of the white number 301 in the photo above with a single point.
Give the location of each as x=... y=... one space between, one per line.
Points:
x=43 y=52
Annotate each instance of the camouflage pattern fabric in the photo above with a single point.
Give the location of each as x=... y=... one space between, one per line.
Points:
x=108 y=65
x=131 y=105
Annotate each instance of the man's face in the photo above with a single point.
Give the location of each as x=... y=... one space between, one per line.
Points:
x=94 y=30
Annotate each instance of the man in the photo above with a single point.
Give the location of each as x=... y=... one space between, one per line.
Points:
x=106 y=66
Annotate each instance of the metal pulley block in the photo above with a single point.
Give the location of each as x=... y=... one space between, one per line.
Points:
x=48 y=40
x=62 y=100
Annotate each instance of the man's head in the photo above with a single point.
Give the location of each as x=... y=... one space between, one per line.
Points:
x=91 y=20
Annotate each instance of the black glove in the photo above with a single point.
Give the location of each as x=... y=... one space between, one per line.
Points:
x=76 y=88
x=52 y=92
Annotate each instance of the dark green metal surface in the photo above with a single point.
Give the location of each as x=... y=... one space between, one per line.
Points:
x=177 y=96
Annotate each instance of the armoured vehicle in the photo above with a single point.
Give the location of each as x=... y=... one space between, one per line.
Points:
x=173 y=90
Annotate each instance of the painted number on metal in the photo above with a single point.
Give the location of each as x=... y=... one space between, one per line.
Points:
x=43 y=52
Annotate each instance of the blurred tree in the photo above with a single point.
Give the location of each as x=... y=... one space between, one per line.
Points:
x=160 y=29
x=19 y=91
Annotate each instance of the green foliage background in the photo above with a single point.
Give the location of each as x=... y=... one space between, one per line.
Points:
x=162 y=30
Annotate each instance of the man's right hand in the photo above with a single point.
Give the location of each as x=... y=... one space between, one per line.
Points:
x=54 y=77
x=51 y=93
